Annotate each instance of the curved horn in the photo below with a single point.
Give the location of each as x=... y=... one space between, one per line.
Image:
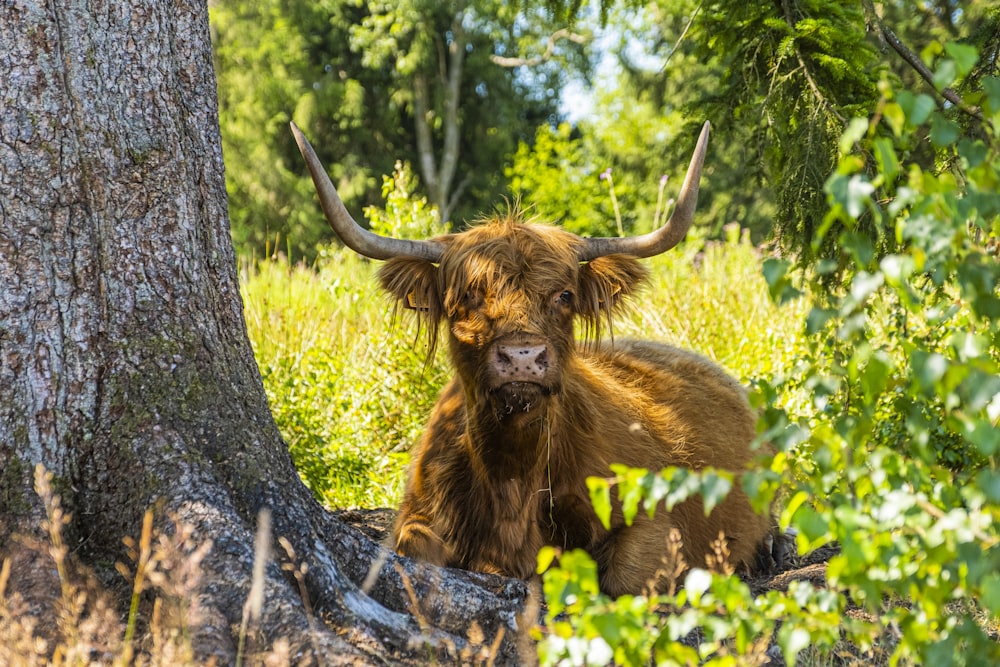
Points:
x=354 y=236
x=672 y=231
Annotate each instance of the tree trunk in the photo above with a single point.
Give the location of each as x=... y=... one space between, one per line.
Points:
x=439 y=174
x=125 y=367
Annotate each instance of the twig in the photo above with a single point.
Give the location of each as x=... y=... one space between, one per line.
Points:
x=815 y=88
x=659 y=202
x=412 y=594
x=936 y=512
x=887 y=36
x=255 y=600
x=562 y=33
x=299 y=573
x=495 y=647
x=684 y=33
x=142 y=565
x=606 y=175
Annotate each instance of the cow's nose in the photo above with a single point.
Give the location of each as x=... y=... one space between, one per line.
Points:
x=520 y=363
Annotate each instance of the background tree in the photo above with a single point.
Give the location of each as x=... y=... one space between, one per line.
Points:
x=780 y=81
x=645 y=115
x=374 y=83
x=796 y=73
x=277 y=60
x=126 y=370
x=661 y=63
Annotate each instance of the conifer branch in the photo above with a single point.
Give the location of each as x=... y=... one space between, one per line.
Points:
x=817 y=92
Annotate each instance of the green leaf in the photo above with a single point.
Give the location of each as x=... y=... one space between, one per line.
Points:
x=964 y=55
x=655 y=488
x=697 y=584
x=774 y=270
x=991 y=593
x=945 y=74
x=943 y=131
x=792 y=641
x=600 y=498
x=991 y=85
x=969 y=345
x=974 y=152
x=929 y=368
x=894 y=115
x=859 y=191
x=988 y=482
x=875 y=376
x=683 y=485
x=864 y=285
x=779 y=285
x=546 y=555
x=897 y=268
x=856 y=129
x=814 y=529
x=818 y=318
x=630 y=493
x=885 y=155
x=715 y=486
x=985 y=436
x=916 y=107
x=987 y=306
x=792 y=506
x=826 y=266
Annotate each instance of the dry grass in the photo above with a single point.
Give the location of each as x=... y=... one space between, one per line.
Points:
x=53 y=611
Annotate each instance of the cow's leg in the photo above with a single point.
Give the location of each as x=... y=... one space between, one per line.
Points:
x=414 y=537
x=640 y=557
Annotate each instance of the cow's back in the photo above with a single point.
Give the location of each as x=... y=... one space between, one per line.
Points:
x=686 y=412
x=693 y=395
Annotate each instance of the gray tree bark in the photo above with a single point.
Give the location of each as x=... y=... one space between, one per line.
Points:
x=125 y=367
x=439 y=174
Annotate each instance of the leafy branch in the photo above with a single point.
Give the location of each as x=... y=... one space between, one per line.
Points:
x=887 y=36
x=806 y=71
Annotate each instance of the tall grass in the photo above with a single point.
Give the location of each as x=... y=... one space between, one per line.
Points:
x=711 y=297
x=348 y=383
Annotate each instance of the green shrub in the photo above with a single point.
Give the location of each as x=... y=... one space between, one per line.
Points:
x=886 y=426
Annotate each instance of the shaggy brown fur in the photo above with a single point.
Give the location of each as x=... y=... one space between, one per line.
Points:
x=501 y=469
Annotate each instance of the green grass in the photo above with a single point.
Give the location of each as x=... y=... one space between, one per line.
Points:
x=348 y=383
x=347 y=386
x=712 y=299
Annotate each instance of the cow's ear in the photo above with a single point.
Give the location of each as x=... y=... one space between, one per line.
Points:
x=605 y=281
x=413 y=283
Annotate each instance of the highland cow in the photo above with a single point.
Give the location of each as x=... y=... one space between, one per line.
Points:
x=531 y=413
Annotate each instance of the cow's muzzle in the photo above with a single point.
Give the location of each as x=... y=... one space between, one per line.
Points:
x=522 y=372
x=519 y=359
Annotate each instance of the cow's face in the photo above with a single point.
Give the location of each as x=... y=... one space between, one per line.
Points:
x=510 y=292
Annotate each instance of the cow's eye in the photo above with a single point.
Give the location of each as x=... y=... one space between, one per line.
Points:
x=472 y=297
x=566 y=298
